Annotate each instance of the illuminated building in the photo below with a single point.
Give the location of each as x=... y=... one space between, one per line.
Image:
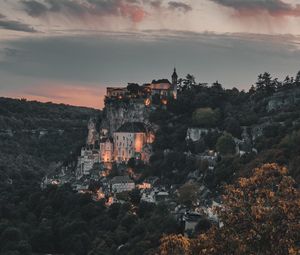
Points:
x=106 y=149
x=116 y=92
x=162 y=88
x=129 y=141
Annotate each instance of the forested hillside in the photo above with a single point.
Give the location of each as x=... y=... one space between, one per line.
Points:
x=36 y=138
x=245 y=130
x=267 y=119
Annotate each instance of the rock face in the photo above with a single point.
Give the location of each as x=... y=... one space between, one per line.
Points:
x=118 y=113
x=284 y=99
x=195 y=134
x=92 y=134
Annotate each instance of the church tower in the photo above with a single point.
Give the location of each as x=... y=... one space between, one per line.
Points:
x=174 y=83
x=174 y=77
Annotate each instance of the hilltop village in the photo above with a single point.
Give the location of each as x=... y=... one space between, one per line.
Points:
x=123 y=141
x=124 y=134
x=125 y=131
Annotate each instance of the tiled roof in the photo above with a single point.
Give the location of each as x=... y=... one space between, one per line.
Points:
x=121 y=179
x=161 y=81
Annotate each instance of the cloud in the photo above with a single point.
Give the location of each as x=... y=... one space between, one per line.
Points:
x=134 y=10
x=114 y=60
x=15 y=25
x=155 y=4
x=34 y=8
x=98 y=8
x=255 y=7
x=179 y=6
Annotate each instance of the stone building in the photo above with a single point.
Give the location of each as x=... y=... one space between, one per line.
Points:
x=106 y=145
x=129 y=141
x=88 y=157
x=117 y=92
x=122 y=105
x=121 y=184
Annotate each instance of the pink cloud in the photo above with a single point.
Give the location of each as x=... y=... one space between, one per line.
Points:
x=134 y=12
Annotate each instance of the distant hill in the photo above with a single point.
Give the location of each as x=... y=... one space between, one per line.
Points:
x=37 y=137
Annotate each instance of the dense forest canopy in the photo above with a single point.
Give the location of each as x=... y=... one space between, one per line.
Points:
x=36 y=138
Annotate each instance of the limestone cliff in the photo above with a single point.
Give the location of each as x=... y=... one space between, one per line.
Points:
x=116 y=113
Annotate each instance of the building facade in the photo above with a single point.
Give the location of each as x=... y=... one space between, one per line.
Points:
x=121 y=184
x=106 y=149
x=129 y=141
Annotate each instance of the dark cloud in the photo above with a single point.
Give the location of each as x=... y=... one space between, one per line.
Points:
x=254 y=7
x=154 y=3
x=14 y=25
x=179 y=6
x=118 y=59
x=34 y=8
x=131 y=9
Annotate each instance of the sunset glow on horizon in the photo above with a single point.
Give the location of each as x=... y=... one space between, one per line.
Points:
x=66 y=94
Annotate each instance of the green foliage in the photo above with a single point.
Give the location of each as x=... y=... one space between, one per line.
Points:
x=232 y=126
x=226 y=145
x=58 y=220
x=205 y=117
x=188 y=194
x=291 y=142
x=133 y=88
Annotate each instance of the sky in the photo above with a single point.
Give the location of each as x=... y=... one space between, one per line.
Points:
x=69 y=51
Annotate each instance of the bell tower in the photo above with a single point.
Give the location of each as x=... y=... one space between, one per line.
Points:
x=174 y=83
x=174 y=77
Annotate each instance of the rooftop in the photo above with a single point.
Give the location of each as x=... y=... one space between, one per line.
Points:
x=121 y=179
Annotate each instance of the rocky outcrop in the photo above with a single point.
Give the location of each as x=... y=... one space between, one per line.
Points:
x=117 y=113
x=284 y=99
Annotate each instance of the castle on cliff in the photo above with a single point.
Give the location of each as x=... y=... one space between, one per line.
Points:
x=125 y=131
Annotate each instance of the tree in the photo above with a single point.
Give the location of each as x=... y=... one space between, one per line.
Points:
x=259 y=215
x=205 y=117
x=174 y=245
x=233 y=127
x=133 y=88
x=135 y=196
x=188 y=193
x=265 y=84
x=188 y=82
x=297 y=79
x=226 y=145
x=291 y=142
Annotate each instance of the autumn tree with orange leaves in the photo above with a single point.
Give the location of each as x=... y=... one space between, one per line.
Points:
x=174 y=245
x=259 y=215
